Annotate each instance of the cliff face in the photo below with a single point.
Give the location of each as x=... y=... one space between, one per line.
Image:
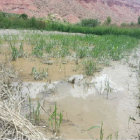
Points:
x=17 y=6
x=74 y=10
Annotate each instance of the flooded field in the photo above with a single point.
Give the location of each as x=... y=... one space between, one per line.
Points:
x=68 y=97
x=87 y=103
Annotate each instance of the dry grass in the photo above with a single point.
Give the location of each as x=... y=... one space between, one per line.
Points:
x=12 y=124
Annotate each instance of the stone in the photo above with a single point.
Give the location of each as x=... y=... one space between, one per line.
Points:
x=75 y=79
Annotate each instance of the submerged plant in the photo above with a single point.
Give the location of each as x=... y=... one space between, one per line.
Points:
x=101 y=132
x=108 y=88
x=39 y=75
x=36 y=114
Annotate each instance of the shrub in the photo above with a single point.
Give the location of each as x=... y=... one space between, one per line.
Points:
x=108 y=21
x=132 y=24
x=24 y=16
x=124 y=24
x=139 y=20
x=90 y=22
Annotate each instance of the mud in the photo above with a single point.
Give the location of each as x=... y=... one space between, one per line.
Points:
x=87 y=103
x=110 y=97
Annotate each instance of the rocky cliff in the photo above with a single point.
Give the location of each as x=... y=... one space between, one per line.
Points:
x=74 y=10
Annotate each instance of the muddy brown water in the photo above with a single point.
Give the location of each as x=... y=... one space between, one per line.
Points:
x=85 y=105
x=59 y=69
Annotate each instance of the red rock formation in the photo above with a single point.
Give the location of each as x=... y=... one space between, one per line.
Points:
x=73 y=10
x=17 y=6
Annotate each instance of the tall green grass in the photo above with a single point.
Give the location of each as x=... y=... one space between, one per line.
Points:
x=98 y=30
x=15 y=21
x=83 y=46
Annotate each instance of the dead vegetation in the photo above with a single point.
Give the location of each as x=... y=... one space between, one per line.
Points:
x=12 y=124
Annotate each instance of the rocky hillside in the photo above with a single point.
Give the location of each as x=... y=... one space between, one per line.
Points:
x=74 y=10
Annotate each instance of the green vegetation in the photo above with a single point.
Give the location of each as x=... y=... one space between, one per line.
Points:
x=55 y=120
x=90 y=67
x=34 y=113
x=14 y=21
x=139 y=20
x=24 y=16
x=108 y=88
x=16 y=53
x=101 y=47
x=91 y=50
x=89 y=22
x=101 y=133
x=98 y=30
x=39 y=75
x=87 y=26
x=108 y=21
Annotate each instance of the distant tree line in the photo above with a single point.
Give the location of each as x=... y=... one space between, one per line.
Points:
x=20 y=21
x=86 y=26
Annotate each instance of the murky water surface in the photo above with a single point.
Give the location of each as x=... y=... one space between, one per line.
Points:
x=107 y=98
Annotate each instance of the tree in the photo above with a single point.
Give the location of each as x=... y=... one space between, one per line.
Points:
x=90 y=22
x=139 y=20
x=24 y=16
x=108 y=21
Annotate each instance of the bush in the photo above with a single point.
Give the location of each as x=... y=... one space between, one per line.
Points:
x=20 y=21
x=139 y=20
x=90 y=67
x=86 y=26
x=132 y=24
x=108 y=21
x=24 y=16
x=90 y=22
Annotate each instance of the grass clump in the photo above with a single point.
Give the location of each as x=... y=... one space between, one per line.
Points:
x=82 y=52
x=55 y=120
x=101 y=133
x=90 y=67
x=16 y=53
x=38 y=51
x=89 y=22
x=39 y=48
x=34 y=112
x=39 y=75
